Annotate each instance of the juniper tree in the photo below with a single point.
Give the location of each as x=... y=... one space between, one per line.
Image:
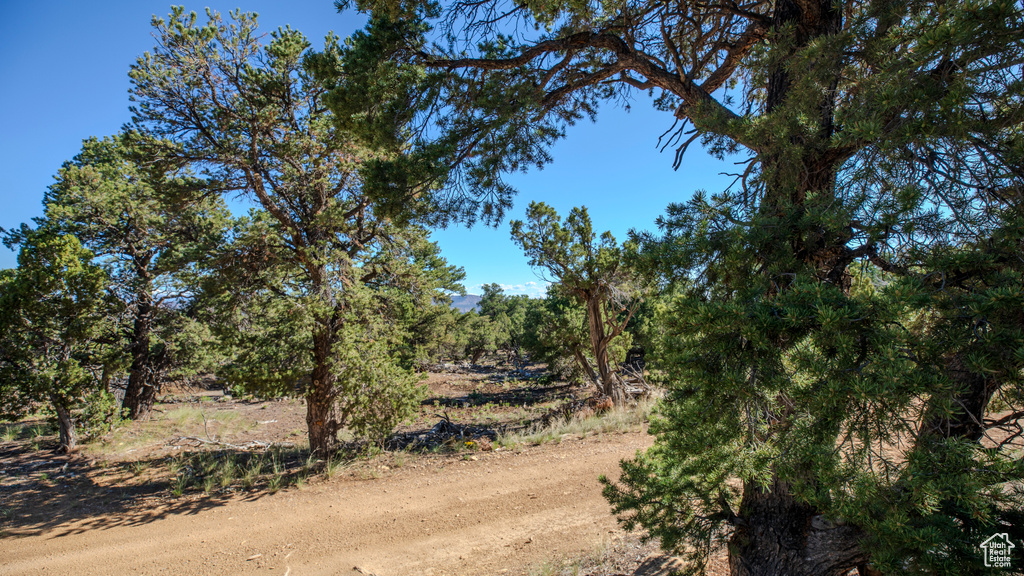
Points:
x=425 y=318
x=269 y=319
x=593 y=272
x=253 y=118
x=150 y=225
x=54 y=318
x=559 y=337
x=480 y=334
x=815 y=428
x=507 y=315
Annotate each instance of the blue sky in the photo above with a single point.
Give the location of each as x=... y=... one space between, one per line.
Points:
x=65 y=66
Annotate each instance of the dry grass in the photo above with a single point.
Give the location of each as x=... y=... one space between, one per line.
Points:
x=621 y=554
x=199 y=419
x=615 y=420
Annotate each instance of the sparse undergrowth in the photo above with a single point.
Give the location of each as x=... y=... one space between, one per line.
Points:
x=35 y=431
x=223 y=471
x=189 y=447
x=142 y=467
x=578 y=426
x=615 y=556
x=200 y=418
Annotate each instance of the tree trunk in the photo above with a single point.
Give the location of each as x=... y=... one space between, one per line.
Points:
x=608 y=382
x=68 y=437
x=778 y=535
x=584 y=365
x=141 y=391
x=775 y=533
x=321 y=420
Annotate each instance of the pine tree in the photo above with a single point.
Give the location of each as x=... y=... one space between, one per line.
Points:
x=54 y=315
x=150 y=225
x=594 y=273
x=323 y=247
x=815 y=428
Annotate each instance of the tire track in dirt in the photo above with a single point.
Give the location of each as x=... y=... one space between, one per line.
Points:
x=496 y=515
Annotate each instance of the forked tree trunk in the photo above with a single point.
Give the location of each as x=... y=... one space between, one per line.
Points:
x=67 y=436
x=608 y=381
x=778 y=535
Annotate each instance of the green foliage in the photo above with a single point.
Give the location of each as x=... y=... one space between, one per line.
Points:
x=880 y=404
x=460 y=151
x=558 y=332
x=426 y=325
x=507 y=319
x=593 y=273
x=372 y=392
x=150 y=225
x=481 y=335
x=54 y=314
x=433 y=334
x=869 y=133
x=322 y=281
x=100 y=412
x=145 y=219
x=871 y=408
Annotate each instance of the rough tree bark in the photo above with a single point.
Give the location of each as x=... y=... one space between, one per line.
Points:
x=320 y=418
x=779 y=535
x=969 y=405
x=584 y=364
x=775 y=533
x=140 y=393
x=608 y=380
x=68 y=437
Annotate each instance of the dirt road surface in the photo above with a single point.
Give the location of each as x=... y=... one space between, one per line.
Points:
x=503 y=513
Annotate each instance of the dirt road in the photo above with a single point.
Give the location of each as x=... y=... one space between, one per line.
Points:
x=500 y=514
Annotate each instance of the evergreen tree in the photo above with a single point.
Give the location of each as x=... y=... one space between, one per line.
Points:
x=150 y=225
x=815 y=428
x=507 y=315
x=480 y=334
x=54 y=316
x=253 y=118
x=558 y=336
x=425 y=317
x=594 y=273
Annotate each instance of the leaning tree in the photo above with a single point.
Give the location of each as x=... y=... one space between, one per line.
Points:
x=816 y=427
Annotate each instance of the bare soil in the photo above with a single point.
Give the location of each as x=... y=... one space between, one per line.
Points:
x=110 y=507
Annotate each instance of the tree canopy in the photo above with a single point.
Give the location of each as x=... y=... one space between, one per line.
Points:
x=590 y=270
x=842 y=330
x=54 y=315
x=866 y=429
x=150 y=224
x=323 y=246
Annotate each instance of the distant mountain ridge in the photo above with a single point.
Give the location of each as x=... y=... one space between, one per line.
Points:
x=465 y=303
